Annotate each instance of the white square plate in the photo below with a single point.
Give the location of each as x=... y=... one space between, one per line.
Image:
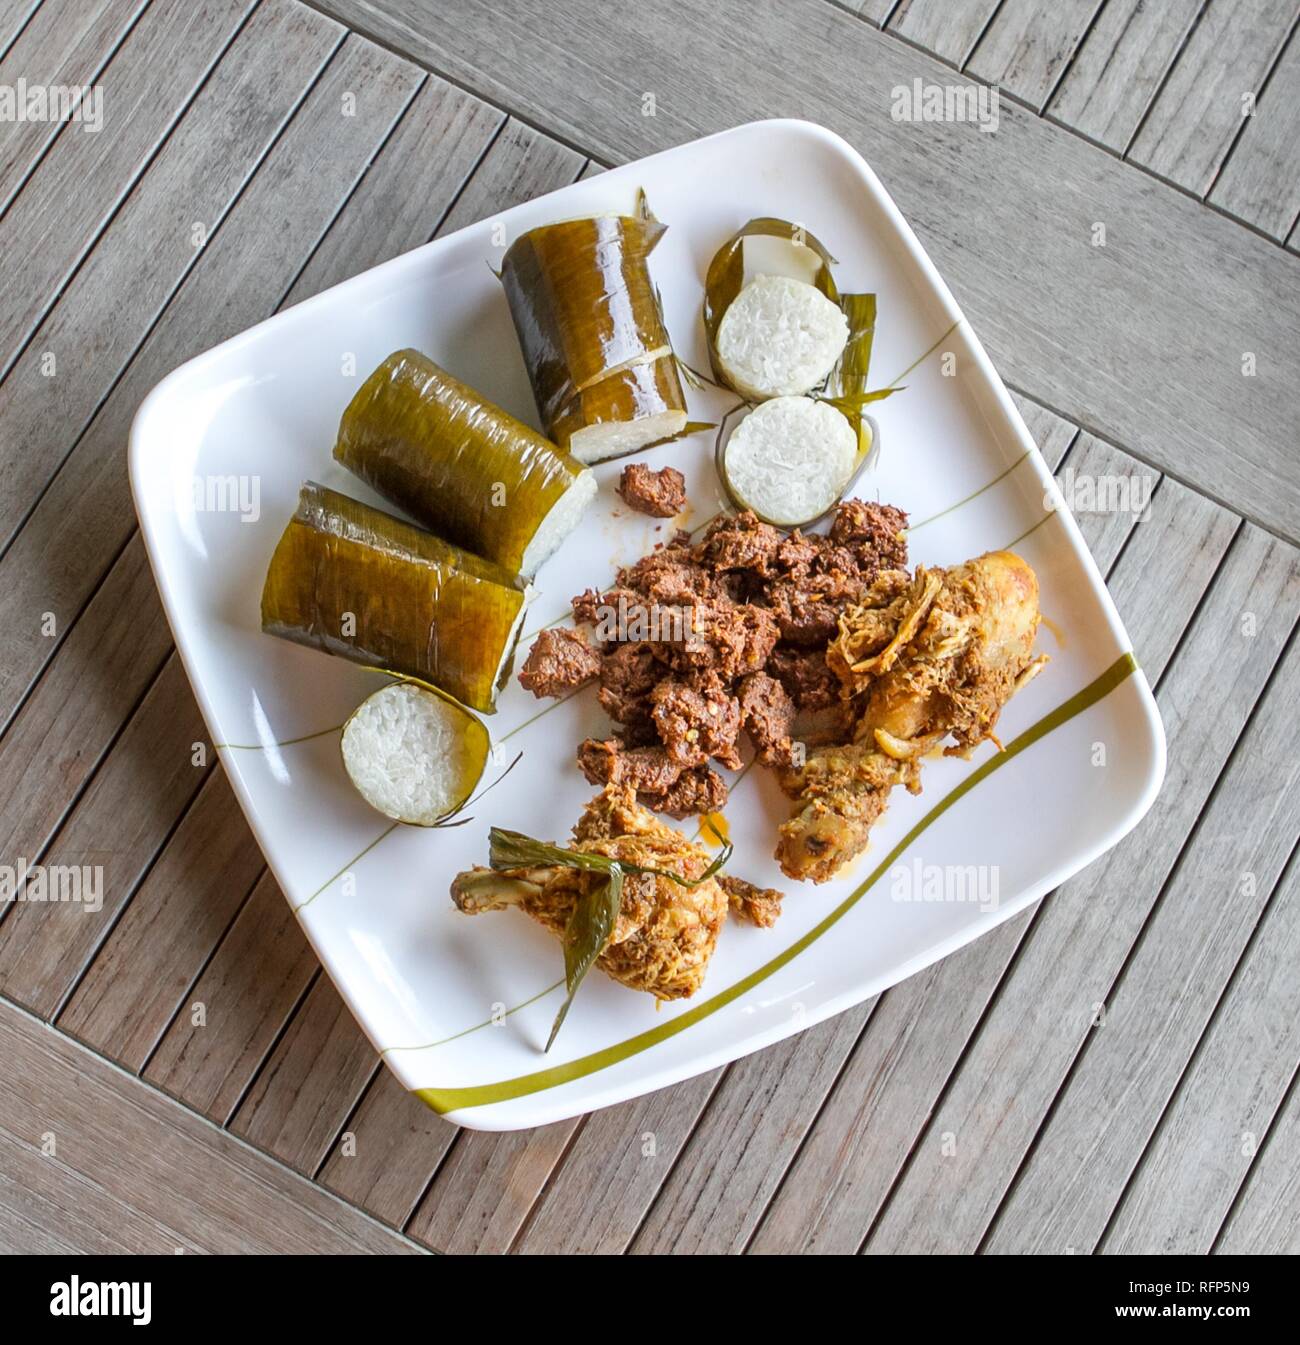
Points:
x=461 y=1007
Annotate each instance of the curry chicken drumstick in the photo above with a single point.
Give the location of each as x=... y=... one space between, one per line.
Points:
x=665 y=933
x=927 y=658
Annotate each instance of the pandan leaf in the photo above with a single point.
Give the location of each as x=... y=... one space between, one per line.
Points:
x=590 y=927
x=513 y=850
x=595 y=913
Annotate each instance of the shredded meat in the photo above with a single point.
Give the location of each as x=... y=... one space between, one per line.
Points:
x=699 y=641
x=697 y=718
x=740 y=543
x=934 y=656
x=559 y=661
x=809 y=681
x=759 y=905
x=698 y=790
x=658 y=781
x=629 y=673
x=648 y=770
x=665 y=931
x=878 y=528
x=729 y=639
x=660 y=494
x=605 y=613
x=768 y=714
x=669 y=575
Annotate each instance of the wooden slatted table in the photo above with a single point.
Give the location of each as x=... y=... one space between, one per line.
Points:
x=1113 y=1070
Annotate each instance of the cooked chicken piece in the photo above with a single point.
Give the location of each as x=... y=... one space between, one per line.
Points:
x=665 y=933
x=937 y=657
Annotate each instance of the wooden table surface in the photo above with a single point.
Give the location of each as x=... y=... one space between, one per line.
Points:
x=1113 y=1070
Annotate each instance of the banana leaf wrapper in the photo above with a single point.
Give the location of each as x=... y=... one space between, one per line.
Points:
x=587 y=314
x=355 y=582
x=458 y=464
x=637 y=395
x=848 y=380
x=846 y=386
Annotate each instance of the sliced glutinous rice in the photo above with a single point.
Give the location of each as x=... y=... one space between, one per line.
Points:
x=790 y=459
x=780 y=337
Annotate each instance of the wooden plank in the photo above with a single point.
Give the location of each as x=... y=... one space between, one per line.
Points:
x=1266 y=1219
x=621 y=1157
x=20 y=1233
x=1094 y=466
x=1227 y=1101
x=752 y=1129
x=1119 y=66
x=874 y=11
x=77 y=709
x=523 y=165
x=149 y=247
x=1261 y=180
x=948 y=30
x=85 y=518
x=15 y=15
x=68 y=43
x=999 y=1096
x=859 y=1142
x=916 y=1037
x=486 y=1187
x=82 y=179
x=384 y=1157
x=133 y=1172
x=1185 y=531
x=237 y=1008
x=408 y=189
x=1052 y=433
x=150 y=961
x=964 y=193
x=118 y=828
x=1029 y=45
x=313 y=1079
x=1131 y=1063
x=1197 y=114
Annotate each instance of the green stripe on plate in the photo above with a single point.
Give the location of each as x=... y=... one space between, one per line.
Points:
x=444 y=1100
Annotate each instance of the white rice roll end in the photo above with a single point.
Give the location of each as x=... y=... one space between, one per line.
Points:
x=779 y=337
x=790 y=459
x=412 y=754
x=559 y=522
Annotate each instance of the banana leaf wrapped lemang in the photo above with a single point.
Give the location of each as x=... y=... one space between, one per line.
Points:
x=354 y=581
x=594 y=342
x=461 y=466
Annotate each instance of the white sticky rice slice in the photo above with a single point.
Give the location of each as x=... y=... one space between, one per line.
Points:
x=790 y=459
x=413 y=755
x=559 y=522
x=604 y=440
x=618 y=428
x=779 y=338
